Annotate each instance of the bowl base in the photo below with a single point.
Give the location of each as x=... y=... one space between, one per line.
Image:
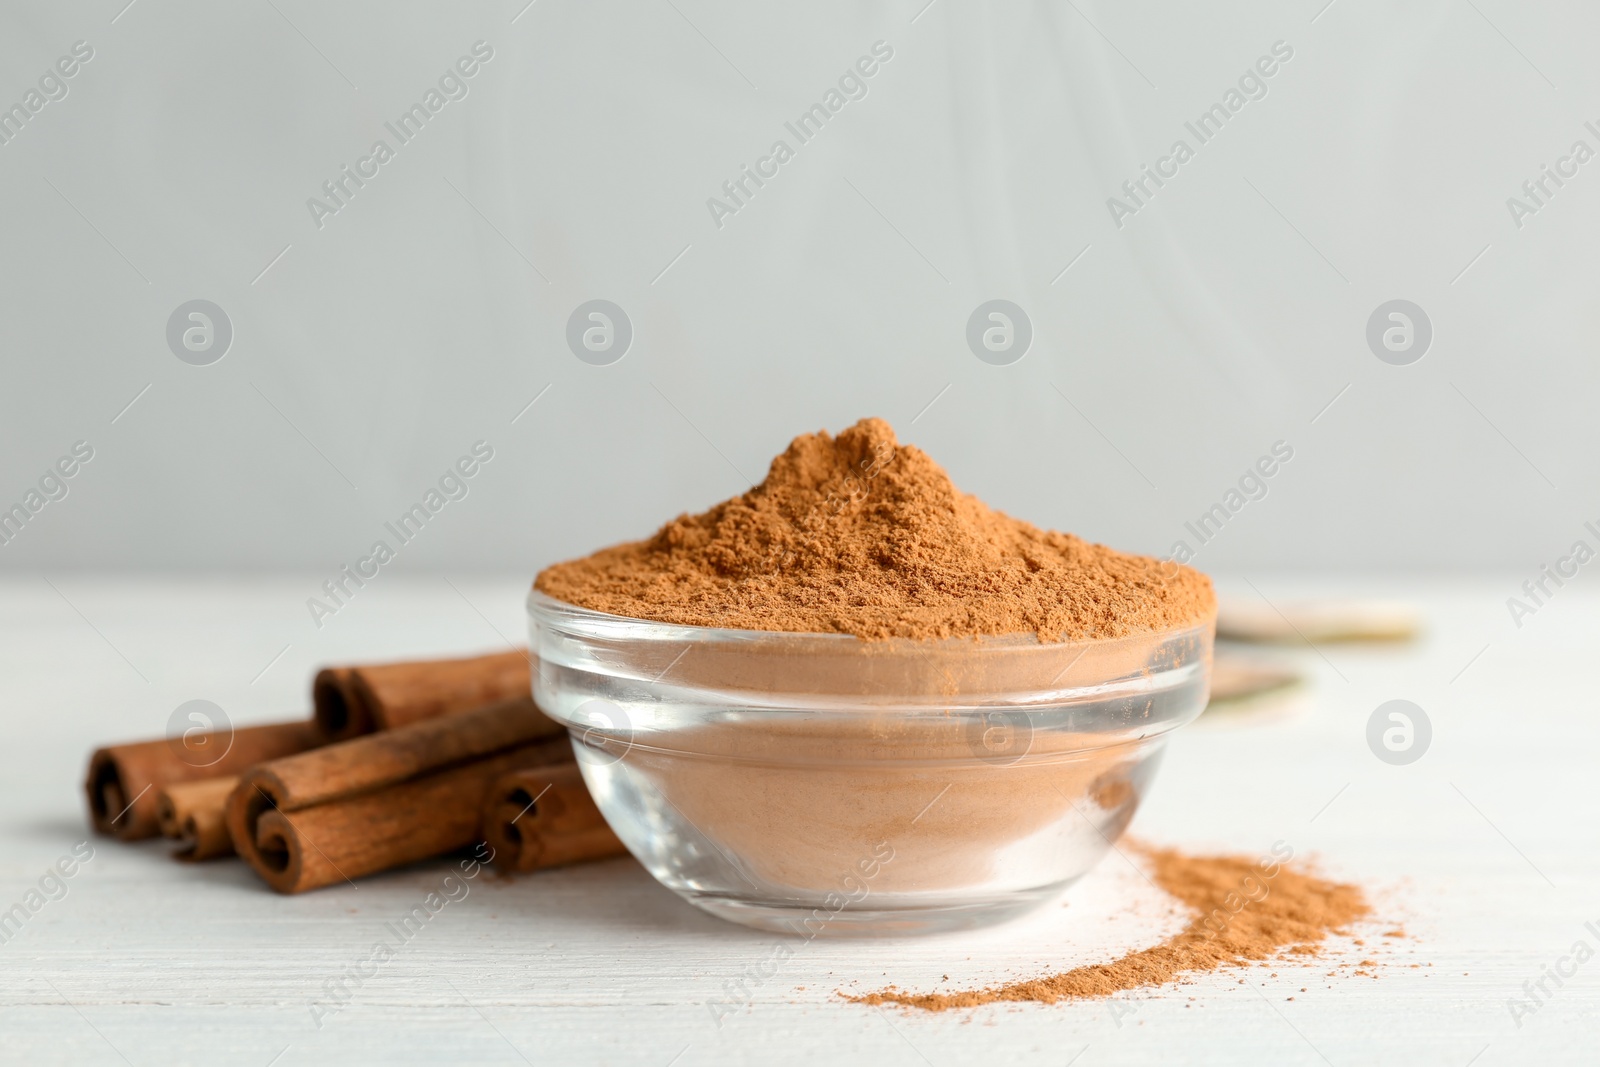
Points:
x=884 y=920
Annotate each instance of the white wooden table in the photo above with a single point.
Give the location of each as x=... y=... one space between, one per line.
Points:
x=1484 y=850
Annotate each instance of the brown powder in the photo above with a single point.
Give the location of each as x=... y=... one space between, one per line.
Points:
x=800 y=803
x=858 y=534
x=1244 y=911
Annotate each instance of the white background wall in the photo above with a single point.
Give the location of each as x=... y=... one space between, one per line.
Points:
x=431 y=309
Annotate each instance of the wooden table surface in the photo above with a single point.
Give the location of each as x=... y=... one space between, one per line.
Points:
x=1484 y=851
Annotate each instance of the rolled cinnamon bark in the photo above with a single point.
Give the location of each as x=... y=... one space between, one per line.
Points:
x=544 y=817
x=351 y=701
x=333 y=704
x=124 y=780
x=383 y=800
x=192 y=814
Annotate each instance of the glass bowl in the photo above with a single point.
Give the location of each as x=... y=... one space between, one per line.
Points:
x=821 y=784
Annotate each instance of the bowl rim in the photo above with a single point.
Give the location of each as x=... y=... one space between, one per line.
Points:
x=543 y=607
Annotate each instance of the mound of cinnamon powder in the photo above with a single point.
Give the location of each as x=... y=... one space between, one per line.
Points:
x=1244 y=910
x=858 y=534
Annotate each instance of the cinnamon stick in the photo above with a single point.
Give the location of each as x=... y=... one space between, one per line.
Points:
x=334 y=704
x=192 y=814
x=383 y=800
x=351 y=701
x=125 y=780
x=544 y=817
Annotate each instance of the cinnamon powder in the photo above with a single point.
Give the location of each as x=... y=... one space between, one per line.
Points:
x=861 y=535
x=1244 y=911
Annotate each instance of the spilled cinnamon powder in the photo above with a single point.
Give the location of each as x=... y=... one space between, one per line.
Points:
x=858 y=534
x=1244 y=911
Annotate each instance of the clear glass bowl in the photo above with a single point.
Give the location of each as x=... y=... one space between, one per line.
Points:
x=821 y=784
